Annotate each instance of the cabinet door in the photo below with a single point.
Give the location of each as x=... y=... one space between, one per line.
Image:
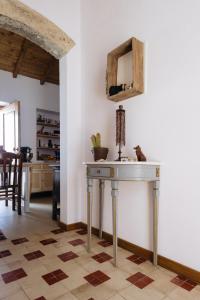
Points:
x=47 y=180
x=36 y=181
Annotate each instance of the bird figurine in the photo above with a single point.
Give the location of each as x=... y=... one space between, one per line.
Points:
x=139 y=153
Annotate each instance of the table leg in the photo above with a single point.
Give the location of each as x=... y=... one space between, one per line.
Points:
x=101 y=202
x=27 y=189
x=155 y=222
x=114 y=193
x=89 y=213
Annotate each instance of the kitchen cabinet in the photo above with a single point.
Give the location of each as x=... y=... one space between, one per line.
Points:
x=41 y=178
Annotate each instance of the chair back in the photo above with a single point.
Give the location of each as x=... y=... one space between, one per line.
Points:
x=11 y=170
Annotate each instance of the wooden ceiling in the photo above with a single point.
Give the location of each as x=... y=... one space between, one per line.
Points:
x=21 y=57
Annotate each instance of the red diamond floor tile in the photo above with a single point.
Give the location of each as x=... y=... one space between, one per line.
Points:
x=105 y=243
x=140 y=280
x=19 y=241
x=55 y=276
x=102 y=257
x=57 y=231
x=34 y=255
x=77 y=242
x=136 y=259
x=67 y=256
x=184 y=282
x=82 y=231
x=5 y=253
x=13 y=275
x=142 y=283
x=97 y=278
x=48 y=242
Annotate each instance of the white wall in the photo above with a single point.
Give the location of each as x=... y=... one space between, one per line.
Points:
x=164 y=121
x=66 y=14
x=31 y=95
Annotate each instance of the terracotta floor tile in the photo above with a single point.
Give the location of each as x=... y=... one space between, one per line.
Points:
x=5 y=253
x=34 y=255
x=71 y=273
x=140 y=280
x=105 y=243
x=48 y=241
x=67 y=256
x=13 y=275
x=134 y=278
x=54 y=277
x=136 y=259
x=102 y=257
x=143 y=282
x=82 y=231
x=76 y=242
x=97 y=278
x=19 y=241
x=178 y=280
x=184 y=282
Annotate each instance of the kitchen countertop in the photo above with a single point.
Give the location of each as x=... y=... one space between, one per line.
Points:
x=39 y=162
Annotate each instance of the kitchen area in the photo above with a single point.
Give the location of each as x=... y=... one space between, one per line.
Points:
x=41 y=179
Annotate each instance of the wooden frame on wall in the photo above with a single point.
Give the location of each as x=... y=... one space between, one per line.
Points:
x=137 y=48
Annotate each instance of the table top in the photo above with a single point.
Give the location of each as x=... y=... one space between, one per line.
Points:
x=148 y=163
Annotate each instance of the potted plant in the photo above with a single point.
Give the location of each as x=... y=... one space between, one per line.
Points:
x=98 y=151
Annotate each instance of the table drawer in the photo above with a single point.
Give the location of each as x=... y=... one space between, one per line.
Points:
x=100 y=172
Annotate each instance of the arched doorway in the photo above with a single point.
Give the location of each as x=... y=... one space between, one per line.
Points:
x=19 y=18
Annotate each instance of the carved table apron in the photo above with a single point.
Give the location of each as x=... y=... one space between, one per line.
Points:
x=115 y=172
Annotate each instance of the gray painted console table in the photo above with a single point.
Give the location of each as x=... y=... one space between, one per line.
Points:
x=121 y=171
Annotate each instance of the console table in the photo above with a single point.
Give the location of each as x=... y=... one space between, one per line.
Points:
x=121 y=171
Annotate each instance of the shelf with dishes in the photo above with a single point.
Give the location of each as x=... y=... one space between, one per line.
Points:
x=48 y=148
x=48 y=124
x=48 y=135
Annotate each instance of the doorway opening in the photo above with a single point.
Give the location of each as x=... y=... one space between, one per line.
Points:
x=17 y=17
x=31 y=124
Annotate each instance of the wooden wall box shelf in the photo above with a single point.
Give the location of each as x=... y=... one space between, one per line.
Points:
x=137 y=49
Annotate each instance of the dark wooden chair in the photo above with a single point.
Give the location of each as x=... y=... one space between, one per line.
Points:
x=11 y=179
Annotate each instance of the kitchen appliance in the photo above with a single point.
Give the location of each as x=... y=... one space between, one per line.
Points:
x=26 y=153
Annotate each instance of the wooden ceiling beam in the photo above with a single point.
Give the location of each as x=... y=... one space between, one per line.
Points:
x=21 y=57
x=47 y=71
x=22 y=53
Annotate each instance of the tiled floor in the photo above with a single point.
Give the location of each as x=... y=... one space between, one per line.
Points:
x=47 y=263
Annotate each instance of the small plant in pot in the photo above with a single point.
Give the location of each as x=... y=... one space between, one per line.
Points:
x=98 y=151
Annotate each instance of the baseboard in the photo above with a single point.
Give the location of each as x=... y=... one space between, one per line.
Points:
x=162 y=261
x=69 y=227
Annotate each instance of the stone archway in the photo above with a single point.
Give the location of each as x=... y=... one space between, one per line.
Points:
x=19 y=18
